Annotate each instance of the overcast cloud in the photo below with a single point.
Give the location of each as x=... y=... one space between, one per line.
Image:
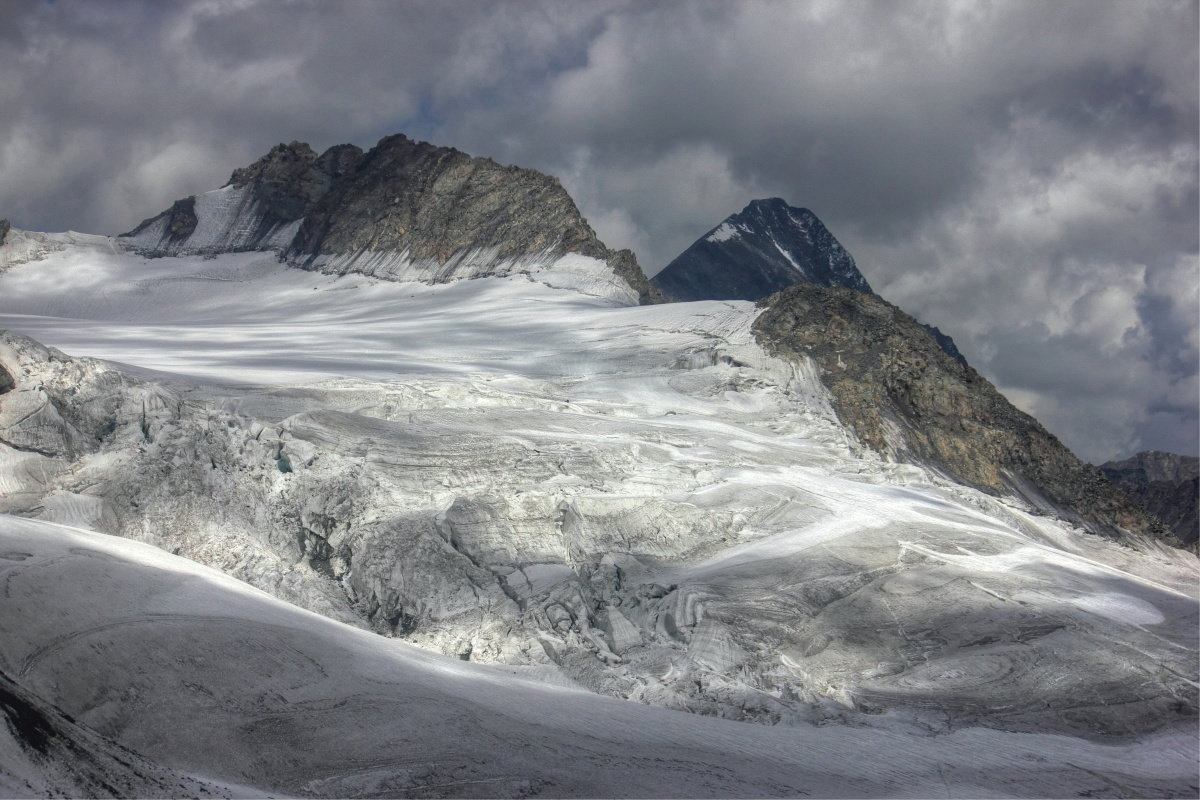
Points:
x=1023 y=175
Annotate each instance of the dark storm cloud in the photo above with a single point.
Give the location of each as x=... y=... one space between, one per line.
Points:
x=1022 y=174
x=137 y=103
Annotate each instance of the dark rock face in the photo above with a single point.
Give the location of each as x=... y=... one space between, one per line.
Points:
x=179 y=221
x=764 y=248
x=903 y=395
x=288 y=181
x=1168 y=485
x=5 y=227
x=624 y=263
x=945 y=342
x=434 y=201
x=402 y=201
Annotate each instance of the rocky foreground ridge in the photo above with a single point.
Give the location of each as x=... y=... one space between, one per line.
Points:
x=904 y=396
x=403 y=210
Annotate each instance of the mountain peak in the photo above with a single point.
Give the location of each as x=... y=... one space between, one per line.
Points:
x=404 y=210
x=775 y=205
x=767 y=246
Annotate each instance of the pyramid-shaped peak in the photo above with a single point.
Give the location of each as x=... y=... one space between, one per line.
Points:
x=767 y=246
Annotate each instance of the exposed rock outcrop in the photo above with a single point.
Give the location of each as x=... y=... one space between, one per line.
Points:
x=404 y=210
x=1168 y=485
x=5 y=227
x=905 y=397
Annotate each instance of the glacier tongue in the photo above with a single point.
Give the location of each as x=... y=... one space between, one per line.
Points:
x=635 y=500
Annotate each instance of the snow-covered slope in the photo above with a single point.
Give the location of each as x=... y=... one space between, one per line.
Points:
x=633 y=500
x=213 y=679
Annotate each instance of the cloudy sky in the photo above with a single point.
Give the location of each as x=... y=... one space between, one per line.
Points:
x=1023 y=175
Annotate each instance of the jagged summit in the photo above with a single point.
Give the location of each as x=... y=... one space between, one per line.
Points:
x=766 y=247
x=403 y=210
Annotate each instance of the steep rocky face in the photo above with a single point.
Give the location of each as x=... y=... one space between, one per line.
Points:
x=435 y=201
x=624 y=264
x=764 y=248
x=5 y=227
x=404 y=210
x=449 y=214
x=904 y=396
x=945 y=342
x=1168 y=485
x=1154 y=466
x=288 y=181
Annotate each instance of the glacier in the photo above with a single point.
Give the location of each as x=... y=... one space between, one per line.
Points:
x=587 y=496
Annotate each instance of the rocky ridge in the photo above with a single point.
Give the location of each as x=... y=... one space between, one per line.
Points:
x=403 y=210
x=1168 y=484
x=904 y=396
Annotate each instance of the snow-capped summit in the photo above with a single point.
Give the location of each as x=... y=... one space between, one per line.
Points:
x=764 y=248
